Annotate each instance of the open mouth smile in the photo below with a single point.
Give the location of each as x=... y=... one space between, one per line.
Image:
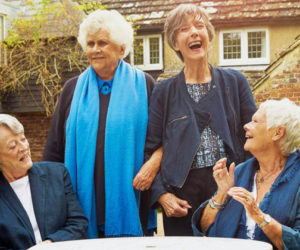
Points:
x=195 y=45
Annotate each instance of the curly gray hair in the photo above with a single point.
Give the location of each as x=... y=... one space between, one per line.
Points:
x=120 y=31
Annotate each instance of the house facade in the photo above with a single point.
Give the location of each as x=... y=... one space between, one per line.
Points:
x=250 y=34
x=258 y=37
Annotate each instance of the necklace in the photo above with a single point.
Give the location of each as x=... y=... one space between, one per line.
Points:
x=261 y=180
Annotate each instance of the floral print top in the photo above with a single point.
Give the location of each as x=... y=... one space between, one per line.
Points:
x=212 y=146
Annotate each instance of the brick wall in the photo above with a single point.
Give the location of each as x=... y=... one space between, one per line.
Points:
x=282 y=83
x=36 y=126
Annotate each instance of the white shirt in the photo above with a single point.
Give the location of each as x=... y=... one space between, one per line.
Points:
x=250 y=223
x=22 y=190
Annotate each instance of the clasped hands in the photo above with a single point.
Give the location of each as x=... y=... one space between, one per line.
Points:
x=173 y=206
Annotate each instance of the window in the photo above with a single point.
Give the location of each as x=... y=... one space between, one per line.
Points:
x=148 y=52
x=244 y=47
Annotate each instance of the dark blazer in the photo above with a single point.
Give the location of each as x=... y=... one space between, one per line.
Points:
x=57 y=210
x=176 y=123
x=282 y=203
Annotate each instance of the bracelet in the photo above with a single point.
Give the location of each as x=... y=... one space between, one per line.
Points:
x=215 y=205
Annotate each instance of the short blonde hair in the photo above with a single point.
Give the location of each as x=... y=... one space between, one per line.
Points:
x=177 y=17
x=284 y=113
x=120 y=31
x=12 y=123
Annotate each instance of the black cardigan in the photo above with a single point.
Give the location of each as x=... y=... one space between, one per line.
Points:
x=55 y=145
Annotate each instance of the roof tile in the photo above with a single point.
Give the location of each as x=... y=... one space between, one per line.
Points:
x=222 y=12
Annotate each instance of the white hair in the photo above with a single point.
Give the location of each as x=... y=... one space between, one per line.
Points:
x=12 y=123
x=120 y=31
x=284 y=113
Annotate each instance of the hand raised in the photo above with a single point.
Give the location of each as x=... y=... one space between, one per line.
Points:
x=223 y=177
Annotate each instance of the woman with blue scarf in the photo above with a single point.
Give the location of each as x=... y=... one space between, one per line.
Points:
x=99 y=128
x=260 y=198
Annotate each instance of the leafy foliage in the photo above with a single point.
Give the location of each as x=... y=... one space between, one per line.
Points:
x=41 y=47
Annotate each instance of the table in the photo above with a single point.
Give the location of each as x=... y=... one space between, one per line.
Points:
x=155 y=243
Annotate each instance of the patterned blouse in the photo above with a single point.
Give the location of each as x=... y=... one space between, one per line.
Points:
x=212 y=146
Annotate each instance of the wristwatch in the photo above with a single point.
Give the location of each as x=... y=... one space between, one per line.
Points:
x=267 y=220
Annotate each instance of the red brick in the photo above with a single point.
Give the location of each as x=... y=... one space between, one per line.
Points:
x=36 y=126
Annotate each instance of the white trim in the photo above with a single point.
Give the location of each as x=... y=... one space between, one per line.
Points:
x=246 y=67
x=146 y=53
x=244 y=60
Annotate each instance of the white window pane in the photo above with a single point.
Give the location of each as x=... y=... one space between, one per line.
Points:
x=257 y=44
x=232 y=45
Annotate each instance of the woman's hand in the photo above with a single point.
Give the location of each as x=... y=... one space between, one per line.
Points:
x=223 y=178
x=173 y=206
x=247 y=200
x=272 y=230
x=148 y=171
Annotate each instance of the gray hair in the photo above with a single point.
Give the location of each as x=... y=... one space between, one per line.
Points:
x=12 y=123
x=177 y=17
x=120 y=31
x=284 y=113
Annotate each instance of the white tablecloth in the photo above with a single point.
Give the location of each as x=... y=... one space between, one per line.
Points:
x=155 y=243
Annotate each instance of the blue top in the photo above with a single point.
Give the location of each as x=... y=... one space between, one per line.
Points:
x=125 y=133
x=282 y=203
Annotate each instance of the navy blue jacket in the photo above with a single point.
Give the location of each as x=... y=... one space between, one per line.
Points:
x=282 y=203
x=57 y=210
x=176 y=123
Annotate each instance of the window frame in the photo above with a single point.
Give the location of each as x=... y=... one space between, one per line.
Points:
x=146 y=53
x=244 y=60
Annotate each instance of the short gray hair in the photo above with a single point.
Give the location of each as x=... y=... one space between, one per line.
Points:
x=12 y=123
x=120 y=31
x=284 y=113
x=177 y=17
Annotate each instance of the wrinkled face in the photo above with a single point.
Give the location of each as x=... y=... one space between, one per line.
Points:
x=259 y=138
x=15 y=156
x=192 y=39
x=103 y=54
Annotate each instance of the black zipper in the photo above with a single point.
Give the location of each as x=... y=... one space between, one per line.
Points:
x=177 y=119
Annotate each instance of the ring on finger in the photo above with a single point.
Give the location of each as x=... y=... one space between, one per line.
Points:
x=246 y=198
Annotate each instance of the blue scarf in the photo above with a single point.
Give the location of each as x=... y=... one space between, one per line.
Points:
x=278 y=202
x=125 y=134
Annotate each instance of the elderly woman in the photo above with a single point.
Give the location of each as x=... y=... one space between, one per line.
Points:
x=99 y=129
x=198 y=117
x=37 y=201
x=260 y=198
